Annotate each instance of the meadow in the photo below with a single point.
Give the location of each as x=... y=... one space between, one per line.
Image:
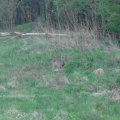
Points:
x=31 y=90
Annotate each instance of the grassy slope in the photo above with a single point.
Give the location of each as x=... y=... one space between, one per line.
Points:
x=24 y=60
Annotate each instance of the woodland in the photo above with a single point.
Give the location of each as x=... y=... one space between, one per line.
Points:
x=103 y=16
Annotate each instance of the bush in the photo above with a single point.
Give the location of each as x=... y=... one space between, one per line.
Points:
x=118 y=81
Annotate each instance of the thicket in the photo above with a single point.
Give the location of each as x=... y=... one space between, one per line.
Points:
x=100 y=15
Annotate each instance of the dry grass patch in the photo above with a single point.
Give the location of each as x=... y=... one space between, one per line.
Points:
x=116 y=95
x=16 y=114
x=61 y=115
x=81 y=40
x=2 y=88
x=101 y=93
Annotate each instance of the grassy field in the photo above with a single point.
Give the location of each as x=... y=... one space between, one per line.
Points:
x=31 y=90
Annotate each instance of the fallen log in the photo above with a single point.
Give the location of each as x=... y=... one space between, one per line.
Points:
x=30 y=34
x=10 y=34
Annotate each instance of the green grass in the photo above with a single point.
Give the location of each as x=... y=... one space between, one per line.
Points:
x=24 y=60
x=25 y=27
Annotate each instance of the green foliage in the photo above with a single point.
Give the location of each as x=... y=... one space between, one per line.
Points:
x=111 y=13
x=113 y=23
x=76 y=4
x=25 y=27
x=118 y=81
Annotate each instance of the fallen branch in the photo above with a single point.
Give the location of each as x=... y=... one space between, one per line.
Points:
x=30 y=34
